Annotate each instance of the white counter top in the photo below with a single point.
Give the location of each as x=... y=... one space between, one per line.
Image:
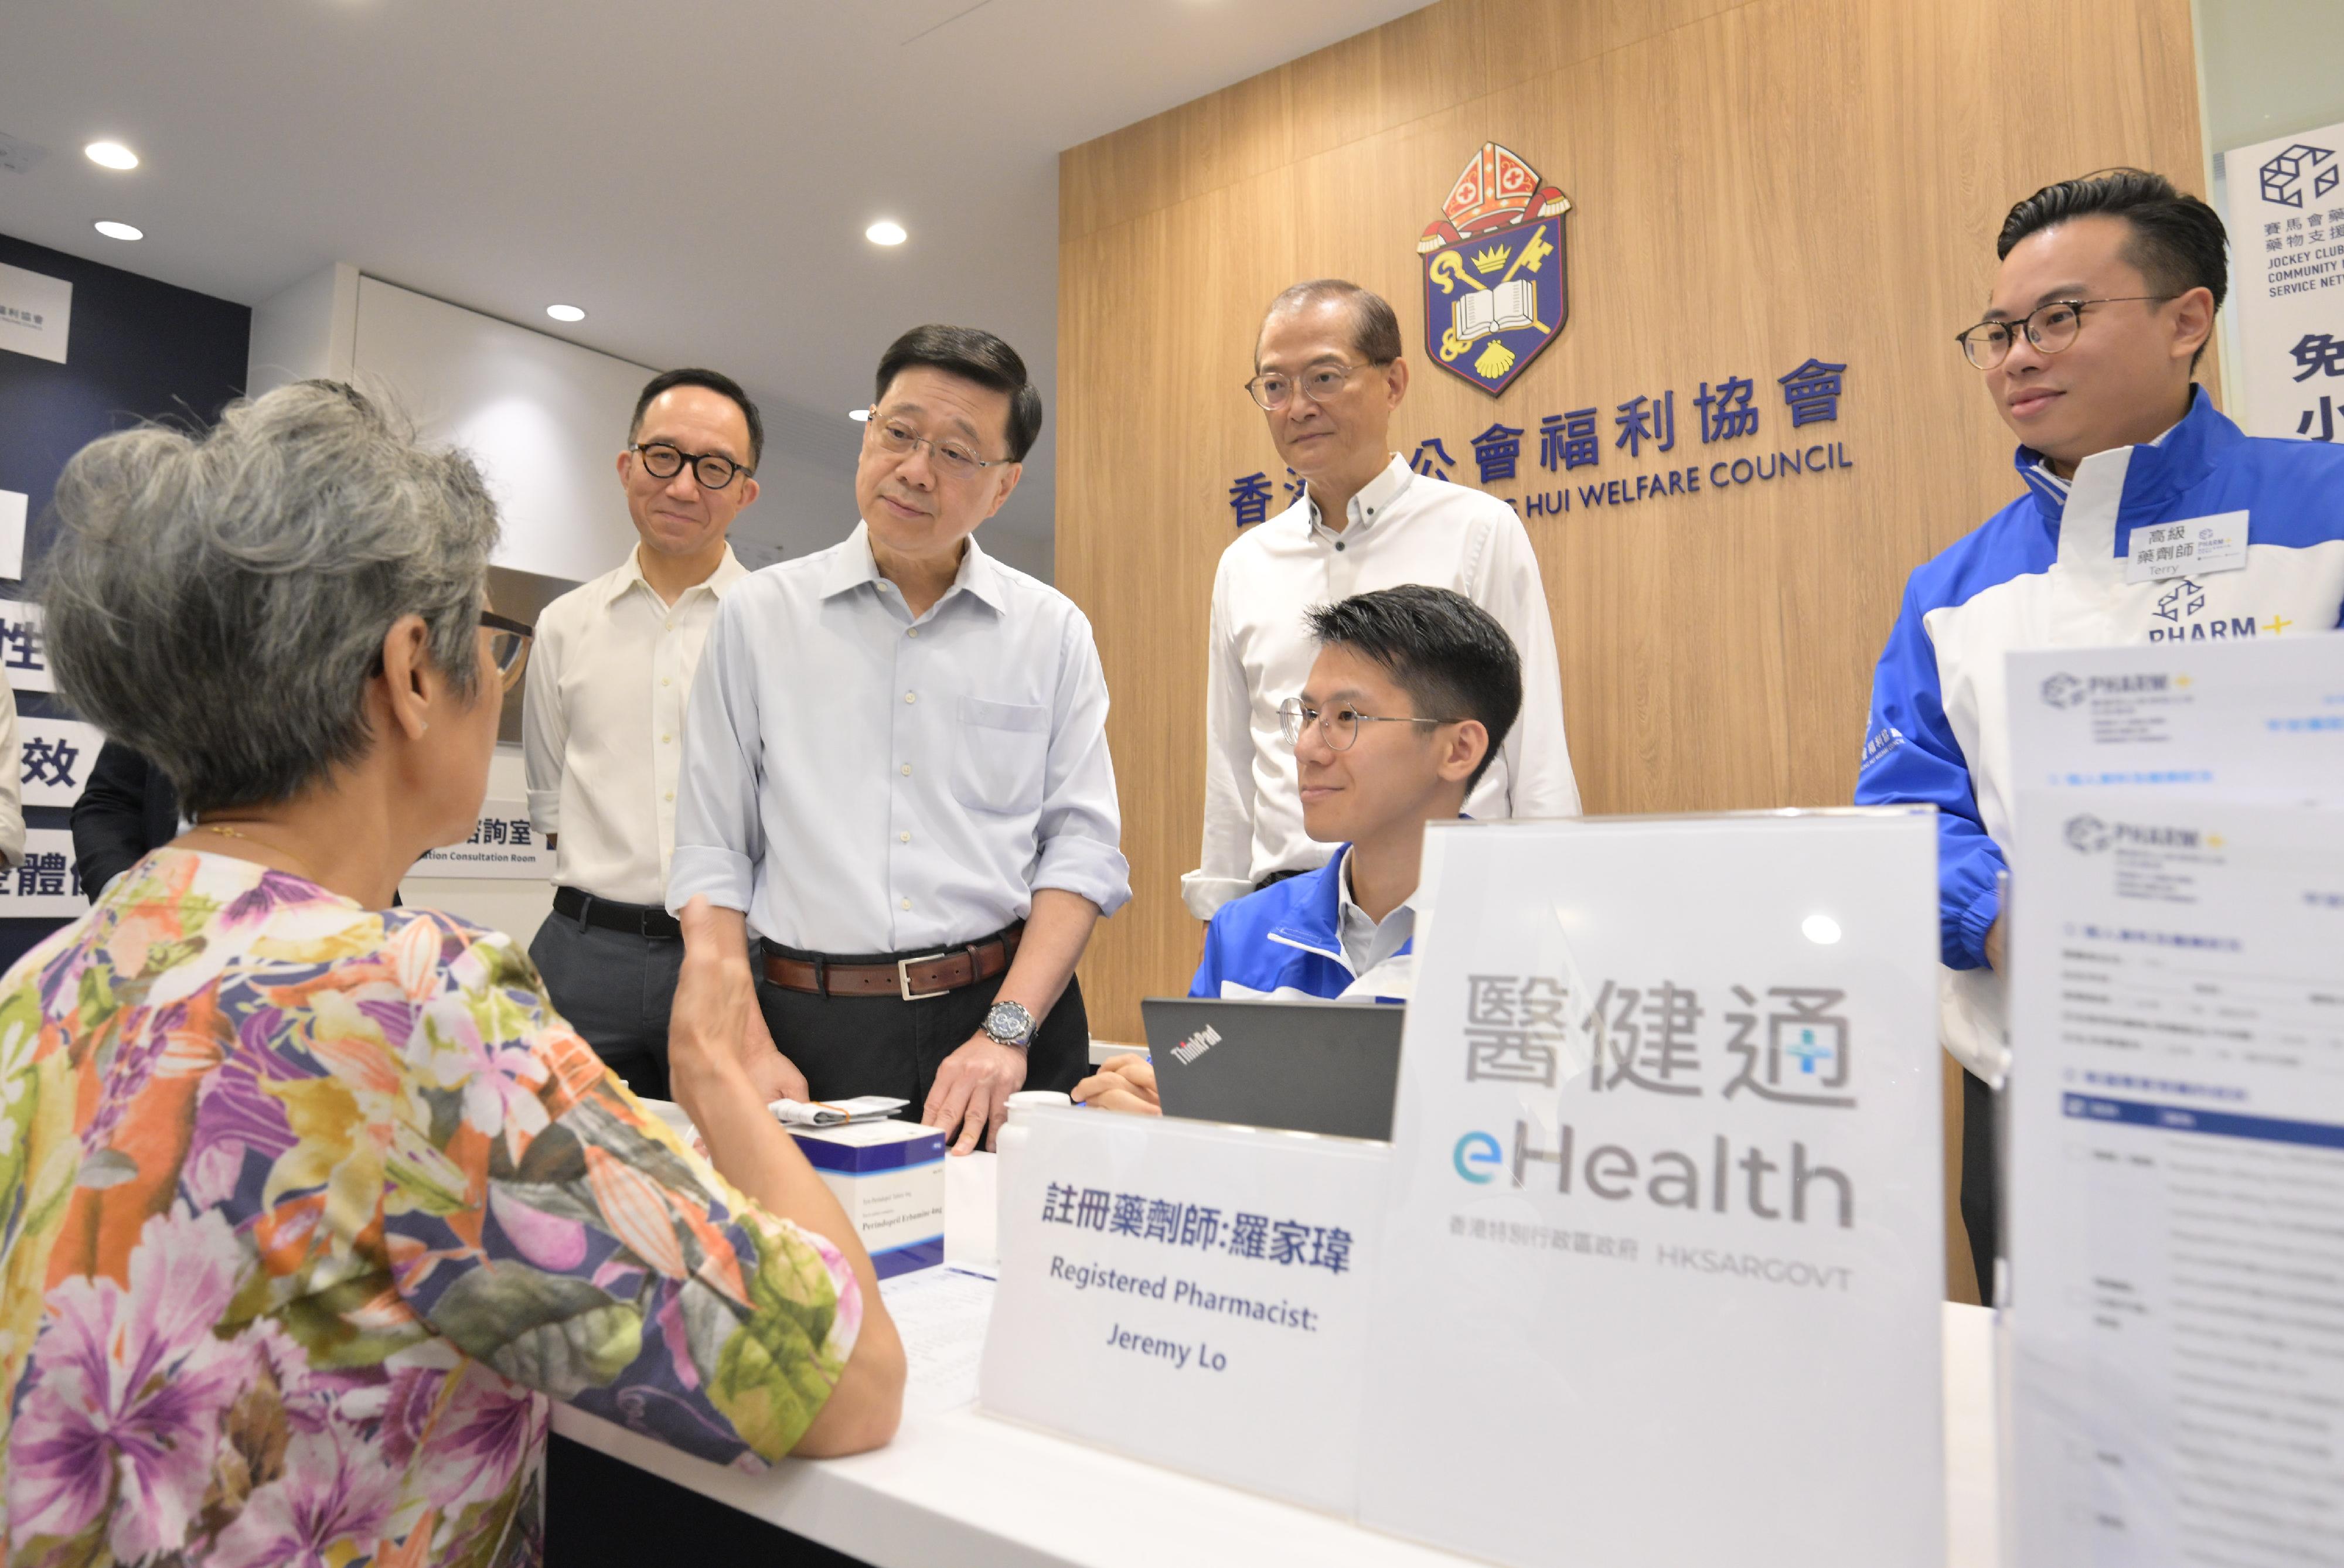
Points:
x=962 y=1487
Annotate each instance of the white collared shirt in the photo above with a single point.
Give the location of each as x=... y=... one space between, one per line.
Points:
x=602 y=724
x=860 y=782
x=1401 y=528
x=1366 y=941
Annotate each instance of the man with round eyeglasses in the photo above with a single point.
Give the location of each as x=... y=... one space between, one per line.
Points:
x=603 y=717
x=898 y=776
x=1329 y=375
x=2102 y=307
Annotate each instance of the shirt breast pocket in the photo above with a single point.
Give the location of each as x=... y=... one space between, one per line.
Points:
x=1003 y=753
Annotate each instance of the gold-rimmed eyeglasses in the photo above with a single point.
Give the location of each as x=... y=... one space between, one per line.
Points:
x=954 y=458
x=1273 y=390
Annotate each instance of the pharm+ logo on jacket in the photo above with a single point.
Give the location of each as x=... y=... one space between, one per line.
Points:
x=1494 y=279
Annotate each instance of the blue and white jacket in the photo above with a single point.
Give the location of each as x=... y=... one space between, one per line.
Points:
x=2048 y=572
x=1286 y=942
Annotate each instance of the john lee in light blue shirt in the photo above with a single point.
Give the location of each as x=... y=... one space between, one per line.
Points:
x=895 y=767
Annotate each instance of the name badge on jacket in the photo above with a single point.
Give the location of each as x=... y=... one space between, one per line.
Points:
x=2190 y=548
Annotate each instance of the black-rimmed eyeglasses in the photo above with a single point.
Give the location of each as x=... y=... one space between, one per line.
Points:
x=2050 y=327
x=713 y=470
x=1338 y=726
x=508 y=641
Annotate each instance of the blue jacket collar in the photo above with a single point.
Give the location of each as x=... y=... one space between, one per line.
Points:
x=1314 y=915
x=2188 y=453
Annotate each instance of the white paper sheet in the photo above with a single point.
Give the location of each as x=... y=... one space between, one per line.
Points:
x=2177 y=1196
x=942 y=1315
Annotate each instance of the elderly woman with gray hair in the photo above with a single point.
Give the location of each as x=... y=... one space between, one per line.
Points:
x=307 y=1205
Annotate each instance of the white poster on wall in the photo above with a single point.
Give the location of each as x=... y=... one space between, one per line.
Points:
x=24 y=653
x=1663 y=1276
x=35 y=310
x=2286 y=249
x=504 y=844
x=12 y=533
x=54 y=758
x=44 y=886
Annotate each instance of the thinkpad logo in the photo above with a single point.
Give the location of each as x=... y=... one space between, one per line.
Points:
x=1197 y=1045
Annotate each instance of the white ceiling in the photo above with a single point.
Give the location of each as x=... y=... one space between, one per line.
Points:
x=697 y=175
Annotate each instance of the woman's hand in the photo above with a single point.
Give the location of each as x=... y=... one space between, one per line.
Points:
x=715 y=1086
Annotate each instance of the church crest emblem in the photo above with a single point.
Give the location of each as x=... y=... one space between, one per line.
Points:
x=1494 y=280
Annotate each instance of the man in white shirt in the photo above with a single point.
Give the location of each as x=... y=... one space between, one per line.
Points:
x=1329 y=375
x=898 y=774
x=603 y=717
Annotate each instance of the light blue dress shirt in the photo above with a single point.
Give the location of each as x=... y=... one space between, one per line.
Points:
x=859 y=782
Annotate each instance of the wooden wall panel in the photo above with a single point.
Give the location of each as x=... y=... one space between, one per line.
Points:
x=1753 y=182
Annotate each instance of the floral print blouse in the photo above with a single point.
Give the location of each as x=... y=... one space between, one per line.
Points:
x=305 y=1211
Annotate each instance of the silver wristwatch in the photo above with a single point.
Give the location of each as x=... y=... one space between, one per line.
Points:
x=1010 y=1024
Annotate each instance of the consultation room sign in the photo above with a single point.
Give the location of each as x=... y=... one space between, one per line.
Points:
x=504 y=844
x=1193 y=1294
x=1667 y=1236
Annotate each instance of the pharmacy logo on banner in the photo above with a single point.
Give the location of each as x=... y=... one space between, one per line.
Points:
x=1494 y=281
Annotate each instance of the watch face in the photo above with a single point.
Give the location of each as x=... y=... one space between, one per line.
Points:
x=1008 y=1021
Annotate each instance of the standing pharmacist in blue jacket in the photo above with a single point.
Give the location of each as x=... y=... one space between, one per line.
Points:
x=2100 y=311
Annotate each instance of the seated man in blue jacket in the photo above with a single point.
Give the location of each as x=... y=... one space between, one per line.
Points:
x=2101 y=308
x=1411 y=695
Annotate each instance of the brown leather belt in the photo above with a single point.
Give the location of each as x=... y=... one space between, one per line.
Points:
x=914 y=979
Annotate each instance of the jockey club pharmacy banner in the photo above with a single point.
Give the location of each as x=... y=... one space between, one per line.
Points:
x=2287 y=251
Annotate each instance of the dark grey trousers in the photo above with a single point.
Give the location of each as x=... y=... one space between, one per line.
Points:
x=615 y=988
x=849 y=1046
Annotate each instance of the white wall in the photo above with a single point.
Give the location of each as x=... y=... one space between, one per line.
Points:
x=304 y=332
x=545 y=419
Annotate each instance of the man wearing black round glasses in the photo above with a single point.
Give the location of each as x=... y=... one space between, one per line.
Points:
x=604 y=713
x=2100 y=311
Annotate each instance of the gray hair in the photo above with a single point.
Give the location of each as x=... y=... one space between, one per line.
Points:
x=219 y=604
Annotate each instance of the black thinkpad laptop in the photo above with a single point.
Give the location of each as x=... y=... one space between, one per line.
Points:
x=1309 y=1067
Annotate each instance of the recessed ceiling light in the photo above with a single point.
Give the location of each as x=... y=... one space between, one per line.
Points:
x=885 y=232
x=860 y=416
x=1820 y=929
x=120 y=231
x=565 y=313
x=111 y=155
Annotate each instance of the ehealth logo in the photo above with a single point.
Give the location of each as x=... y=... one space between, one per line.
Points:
x=1477 y=1157
x=1197 y=1045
